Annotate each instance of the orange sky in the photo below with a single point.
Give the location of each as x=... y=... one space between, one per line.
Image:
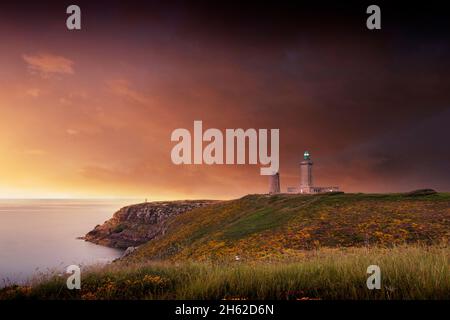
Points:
x=71 y=130
x=90 y=113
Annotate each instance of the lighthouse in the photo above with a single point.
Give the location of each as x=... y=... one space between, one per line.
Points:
x=274 y=183
x=306 y=178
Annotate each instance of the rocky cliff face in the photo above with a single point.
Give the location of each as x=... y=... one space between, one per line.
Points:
x=136 y=224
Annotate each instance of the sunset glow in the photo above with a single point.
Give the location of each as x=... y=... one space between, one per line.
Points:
x=90 y=113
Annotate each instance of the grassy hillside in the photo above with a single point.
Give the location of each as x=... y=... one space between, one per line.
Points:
x=289 y=247
x=282 y=226
x=408 y=272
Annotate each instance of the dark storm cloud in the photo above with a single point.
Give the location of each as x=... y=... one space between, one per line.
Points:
x=371 y=106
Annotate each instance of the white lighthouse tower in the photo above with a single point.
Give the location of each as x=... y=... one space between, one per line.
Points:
x=306 y=178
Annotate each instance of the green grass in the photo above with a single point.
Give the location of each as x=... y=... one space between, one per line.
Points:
x=261 y=225
x=290 y=247
x=407 y=272
x=260 y=220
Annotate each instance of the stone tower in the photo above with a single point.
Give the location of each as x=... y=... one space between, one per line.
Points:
x=274 y=183
x=306 y=179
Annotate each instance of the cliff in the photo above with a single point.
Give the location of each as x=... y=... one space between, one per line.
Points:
x=276 y=226
x=136 y=224
x=262 y=227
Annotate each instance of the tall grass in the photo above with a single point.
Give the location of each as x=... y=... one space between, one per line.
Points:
x=407 y=272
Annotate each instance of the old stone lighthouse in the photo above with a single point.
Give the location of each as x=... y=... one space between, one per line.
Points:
x=306 y=180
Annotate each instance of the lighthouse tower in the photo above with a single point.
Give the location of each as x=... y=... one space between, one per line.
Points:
x=274 y=183
x=306 y=179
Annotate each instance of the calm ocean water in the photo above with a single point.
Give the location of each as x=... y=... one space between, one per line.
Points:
x=40 y=235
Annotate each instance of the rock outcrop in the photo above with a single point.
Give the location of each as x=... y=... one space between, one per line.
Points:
x=420 y=193
x=134 y=225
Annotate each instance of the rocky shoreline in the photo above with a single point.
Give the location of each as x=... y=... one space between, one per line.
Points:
x=134 y=225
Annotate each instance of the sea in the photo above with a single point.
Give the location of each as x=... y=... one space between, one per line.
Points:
x=40 y=236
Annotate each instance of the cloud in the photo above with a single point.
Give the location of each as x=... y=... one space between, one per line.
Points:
x=48 y=64
x=65 y=101
x=72 y=132
x=123 y=88
x=34 y=92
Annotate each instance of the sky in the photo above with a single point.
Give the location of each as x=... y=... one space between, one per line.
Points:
x=89 y=113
